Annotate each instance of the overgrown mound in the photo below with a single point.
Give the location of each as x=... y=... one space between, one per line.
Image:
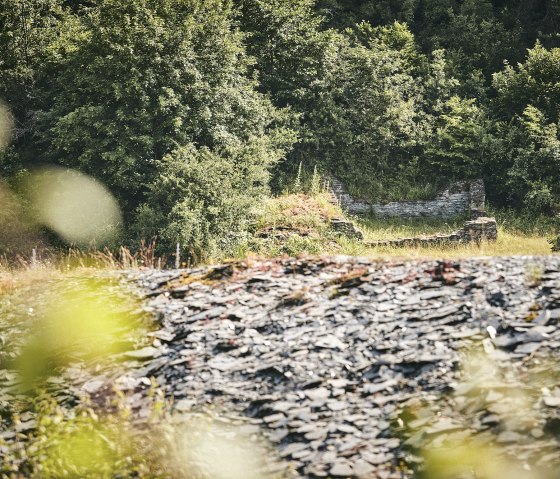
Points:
x=294 y=224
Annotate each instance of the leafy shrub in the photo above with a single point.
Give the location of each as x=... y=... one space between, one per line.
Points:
x=527 y=174
x=461 y=140
x=205 y=200
x=365 y=122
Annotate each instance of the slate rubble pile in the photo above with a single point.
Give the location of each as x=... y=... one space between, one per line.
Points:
x=346 y=228
x=351 y=368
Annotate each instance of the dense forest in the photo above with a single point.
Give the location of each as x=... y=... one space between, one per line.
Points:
x=192 y=111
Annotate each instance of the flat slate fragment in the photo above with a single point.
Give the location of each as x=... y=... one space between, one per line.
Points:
x=143 y=354
x=552 y=401
x=341 y=469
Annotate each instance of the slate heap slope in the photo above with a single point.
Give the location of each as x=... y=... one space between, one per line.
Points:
x=350 y=368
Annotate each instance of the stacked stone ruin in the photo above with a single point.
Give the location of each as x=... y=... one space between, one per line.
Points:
x=456 y=200
x=459 y=199
x=346 y=228
x=474 y=231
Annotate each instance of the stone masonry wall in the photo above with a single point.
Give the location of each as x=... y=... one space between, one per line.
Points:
x=478 y=230
x=346 y=228
x=457 y=200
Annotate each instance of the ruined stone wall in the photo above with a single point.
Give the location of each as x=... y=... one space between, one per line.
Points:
x=474 y=231
x=346 y=228
x=457 y=200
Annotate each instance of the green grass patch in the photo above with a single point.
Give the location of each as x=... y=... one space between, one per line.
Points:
x=508 y=243
x=294 y=224
x=525 y=223
x=298 y=211
x=394 y=228
x=299 y=224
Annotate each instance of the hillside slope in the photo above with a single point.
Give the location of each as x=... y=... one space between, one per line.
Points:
x=353 y=368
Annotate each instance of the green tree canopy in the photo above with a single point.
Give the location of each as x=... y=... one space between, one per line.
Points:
x=366 y=119
x=28 y=29
x=534 y=82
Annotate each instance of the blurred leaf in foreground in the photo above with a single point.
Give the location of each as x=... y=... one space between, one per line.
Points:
x=209 y=450
x=82 y=444
x=78 y=208
x=471 y=460
x=87 y=321
x=458 y=445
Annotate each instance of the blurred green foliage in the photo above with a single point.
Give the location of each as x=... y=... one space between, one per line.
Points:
x=86 y=321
